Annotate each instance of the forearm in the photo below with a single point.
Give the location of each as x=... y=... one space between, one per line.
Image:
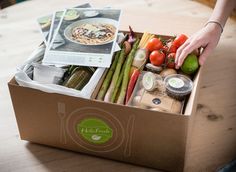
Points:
x=222 y=10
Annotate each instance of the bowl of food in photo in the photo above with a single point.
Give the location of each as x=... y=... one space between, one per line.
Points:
x=92 y=31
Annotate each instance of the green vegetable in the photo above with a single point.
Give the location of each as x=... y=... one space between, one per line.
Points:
x=125 y=81
x=190 y=64
x=108 y=78
x=117 y=87
x=115 y=75
x=118 y=94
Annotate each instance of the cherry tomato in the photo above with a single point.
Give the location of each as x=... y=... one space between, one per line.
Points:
x=154 y=44
x=171 y=47
x=170 y=60
x=165 y=48
x=157 y=58
x=180 y=40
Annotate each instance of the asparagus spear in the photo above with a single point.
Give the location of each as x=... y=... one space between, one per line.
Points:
x=117 y=87
x=125 y=81
x=118 y=94
x=108 y=78
x=115 y=76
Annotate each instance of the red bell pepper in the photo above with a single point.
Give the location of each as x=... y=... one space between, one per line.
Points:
x=131 y=84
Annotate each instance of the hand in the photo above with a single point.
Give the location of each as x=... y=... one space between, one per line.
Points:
x=206 y=38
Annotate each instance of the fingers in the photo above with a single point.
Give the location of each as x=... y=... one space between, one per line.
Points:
x=206 y=52
x=185 y=50
x=180 y=49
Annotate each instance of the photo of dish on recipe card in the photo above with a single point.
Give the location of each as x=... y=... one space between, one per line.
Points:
x=57 y=18
x=45 y=26
x=85 y=37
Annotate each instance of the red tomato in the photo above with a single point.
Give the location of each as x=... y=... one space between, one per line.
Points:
x=154 y=44
x=170 y=60
x=165 y=48
x=180 y=40
x=171 y=48
x=157 y=58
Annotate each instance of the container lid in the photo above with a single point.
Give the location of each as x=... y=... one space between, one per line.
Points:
x=178 y=84
x=150 y=81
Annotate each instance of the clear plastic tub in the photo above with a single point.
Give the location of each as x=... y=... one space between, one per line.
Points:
x=178 y=86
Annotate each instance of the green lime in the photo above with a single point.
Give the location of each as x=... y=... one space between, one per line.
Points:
x=190 y=64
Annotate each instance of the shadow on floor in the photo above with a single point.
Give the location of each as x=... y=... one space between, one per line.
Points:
x=55 y=159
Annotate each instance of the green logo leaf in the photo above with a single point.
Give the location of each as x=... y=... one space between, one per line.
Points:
x=94 y=130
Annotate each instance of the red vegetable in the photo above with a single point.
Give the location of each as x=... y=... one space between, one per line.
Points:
x=171 y=47
x=157 y=58
x=154 y=44
x=165 y=49
x=131 y=84
x=170 y=60
x=180 y=40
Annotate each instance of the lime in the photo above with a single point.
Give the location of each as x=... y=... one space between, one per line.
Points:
x=190 y=64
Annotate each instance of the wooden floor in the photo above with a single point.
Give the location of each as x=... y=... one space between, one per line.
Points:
x=213 y=141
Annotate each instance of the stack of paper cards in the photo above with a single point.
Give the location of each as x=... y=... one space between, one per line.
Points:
x=81 y=36
x=48 y=24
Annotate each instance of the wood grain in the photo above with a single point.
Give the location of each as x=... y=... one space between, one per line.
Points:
x=213 y=140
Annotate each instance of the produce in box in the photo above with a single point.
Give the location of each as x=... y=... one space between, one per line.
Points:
x=156 y=55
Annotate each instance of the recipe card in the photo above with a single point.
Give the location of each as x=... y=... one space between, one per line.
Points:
x=45 y=25
x=85 y=36
x=57 y=18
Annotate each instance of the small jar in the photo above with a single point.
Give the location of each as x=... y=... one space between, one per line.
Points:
x=79 y=77
x=150 y=81
x=178 y=86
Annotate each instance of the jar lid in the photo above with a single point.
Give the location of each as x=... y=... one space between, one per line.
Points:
x=149 y=81
x=178 y=84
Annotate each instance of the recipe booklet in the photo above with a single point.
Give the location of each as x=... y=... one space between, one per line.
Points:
x=85 y=36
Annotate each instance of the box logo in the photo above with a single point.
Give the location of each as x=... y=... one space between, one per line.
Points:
x=94 y=130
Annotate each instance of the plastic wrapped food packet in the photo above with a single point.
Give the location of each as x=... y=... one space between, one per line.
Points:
x=79 y=77
x=47 y=74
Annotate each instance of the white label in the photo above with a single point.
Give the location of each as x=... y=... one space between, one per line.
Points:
x=148 y=81
x=176 y=82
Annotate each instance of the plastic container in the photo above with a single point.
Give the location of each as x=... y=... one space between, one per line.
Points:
x=178 y=86
x=47 y=74
x=150 y=81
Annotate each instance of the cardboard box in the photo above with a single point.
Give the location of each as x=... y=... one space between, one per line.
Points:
x=149 y=138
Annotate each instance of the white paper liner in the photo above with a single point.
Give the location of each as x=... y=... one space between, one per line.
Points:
x=23 y=79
